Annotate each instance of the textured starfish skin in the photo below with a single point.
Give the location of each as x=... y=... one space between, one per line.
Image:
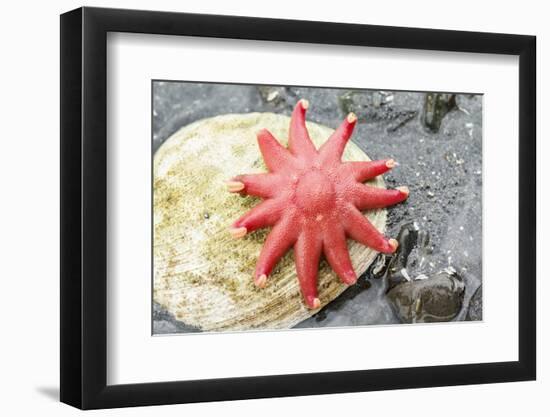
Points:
x=313 y=201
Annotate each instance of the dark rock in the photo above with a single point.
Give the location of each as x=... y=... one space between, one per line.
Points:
x=429 y=299
x=475 y=308
x=436 y=107
x=277 y=96
x=410 y=258
x=379 y=266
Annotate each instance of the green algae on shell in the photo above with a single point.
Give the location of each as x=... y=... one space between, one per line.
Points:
x=201 y=275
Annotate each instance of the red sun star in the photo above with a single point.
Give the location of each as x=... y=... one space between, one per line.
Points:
x=313 y=201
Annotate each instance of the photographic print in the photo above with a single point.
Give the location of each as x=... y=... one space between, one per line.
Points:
x=294 y=207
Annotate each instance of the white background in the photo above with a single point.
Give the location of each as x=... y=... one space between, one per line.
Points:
x=133 y=60
x=29 y=176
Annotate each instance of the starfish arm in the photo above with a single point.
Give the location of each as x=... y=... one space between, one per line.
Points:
x=276 y=156
x=265 y=214
x=307 y=253
x=299 y=141
x=366 y=170
x=336 y=251
x=258 y=185
x=367 y=197
x=278 y=242
x=333 y=148
x=359 y=228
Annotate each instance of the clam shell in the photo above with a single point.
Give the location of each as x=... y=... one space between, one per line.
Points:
x=201 y=275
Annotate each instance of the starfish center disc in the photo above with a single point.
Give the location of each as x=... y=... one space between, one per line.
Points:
x=315 y=194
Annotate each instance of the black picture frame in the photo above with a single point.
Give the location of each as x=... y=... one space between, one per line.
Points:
x=84 y=207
